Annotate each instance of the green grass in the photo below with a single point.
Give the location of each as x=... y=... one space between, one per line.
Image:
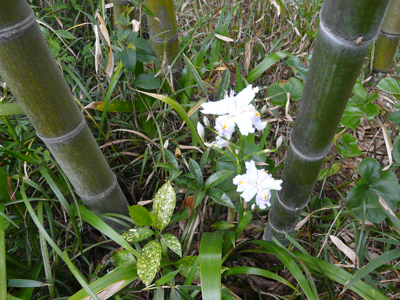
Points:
x=56 y=248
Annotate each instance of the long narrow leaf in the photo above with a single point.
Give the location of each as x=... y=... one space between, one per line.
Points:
x=210 y=265
x=265 y=64
x=3 y=277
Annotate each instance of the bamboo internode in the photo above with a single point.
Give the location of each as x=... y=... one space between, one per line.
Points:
x=29 y=69
x=386 y=45
x=164 y=30
x=346 y=32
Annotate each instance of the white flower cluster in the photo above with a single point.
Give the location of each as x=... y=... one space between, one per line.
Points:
x=233 y=110
x=256 y=183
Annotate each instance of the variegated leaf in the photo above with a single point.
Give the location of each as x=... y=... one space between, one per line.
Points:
x=149 y=262
x=122 y=257
x=173 y=243
x=164 y=205
x=185 y=265
x=137 y=234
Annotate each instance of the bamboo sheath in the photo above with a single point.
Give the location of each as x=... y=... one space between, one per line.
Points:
x=119 y=9
x=386 y=45
x=29 y=69
x=346 y=32
x=164 y=30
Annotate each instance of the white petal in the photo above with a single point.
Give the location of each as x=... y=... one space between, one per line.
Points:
x=256 y=120
x=246 y=96
x=225 y=125
x=263 y=198
x=221 y=143
x=267 y=182
x=244 y=123
x=248 y=193
x=251 y=170
x=221 y=107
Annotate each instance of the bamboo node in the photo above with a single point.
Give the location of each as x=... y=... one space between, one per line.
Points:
x=357 y=42
x=16 y=29
x=104 y=194
x=390 y=35
x=285 y=206
x=306 y=157
x=65 y=137
x=162 y=40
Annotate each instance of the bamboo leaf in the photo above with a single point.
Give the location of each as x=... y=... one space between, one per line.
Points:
x=141 y=216
x=137 y=234
x=196 y=171
x=210 y=265
x=164 y=205
x=173 y=243
x=220 y=197
x=24 y=283
x=265 y=64
x=115 y=106
x=166 y=278
x=195 y=75
x=149 y=262
x=147 y=81
x=217 y=178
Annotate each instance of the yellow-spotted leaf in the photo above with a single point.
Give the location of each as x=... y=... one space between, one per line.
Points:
x=164 y=205
x=122 y=257
x=185 y=265
x=149 y=262
x=137 y=234
x=173 y=243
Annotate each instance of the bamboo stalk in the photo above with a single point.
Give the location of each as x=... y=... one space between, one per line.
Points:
x=346 y=32
x=388 y=39
x=163 y=29
x=30 y=70
x=119 y=7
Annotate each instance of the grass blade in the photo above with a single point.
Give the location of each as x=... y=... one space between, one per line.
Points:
x=210 y=265
x=196 y=75
x=265 y=64
x=3 y=277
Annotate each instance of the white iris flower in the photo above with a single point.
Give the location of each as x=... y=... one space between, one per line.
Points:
x=235 y=110
x=256 y=183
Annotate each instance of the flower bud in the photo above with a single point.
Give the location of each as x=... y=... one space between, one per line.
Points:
x=253 y=207
x=200 y=130
x=279 y=142
x=206 y=121
x=135 y=25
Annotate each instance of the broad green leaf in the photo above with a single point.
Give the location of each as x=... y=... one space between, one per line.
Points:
x=180 y=215
x=8 y=109
x=359 y=91
x=110 y=283
x=396 y=149
x=295 y=88
x=122 y=257
x=210 y=265
x=389 y=85
x=137 y=234
x=393 y=117
x=144 y=56
x=365 y=191
x=277 y=94
x=164 y=205
x=299 y=69
x=141 y=44
x=347 y=146
x=329 y=171
x=220 y=197
x=265 y=64
x=128 y=58
x=149 y=262
x=147 y=81
x=356 y=109
x=173 y=243
x=217 y=178
x=185 y=265
x=222 y=225
x=196 y=171
x=141 y=216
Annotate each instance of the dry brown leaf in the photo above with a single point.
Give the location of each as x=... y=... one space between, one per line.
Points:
x=346 y=250
x=388 y=148
x=224 y=38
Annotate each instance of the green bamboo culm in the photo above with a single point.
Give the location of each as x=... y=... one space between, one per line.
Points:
x=120 y=7
x=31 y=72
x=346 y=31
x=388 y=39
x=163 y=30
